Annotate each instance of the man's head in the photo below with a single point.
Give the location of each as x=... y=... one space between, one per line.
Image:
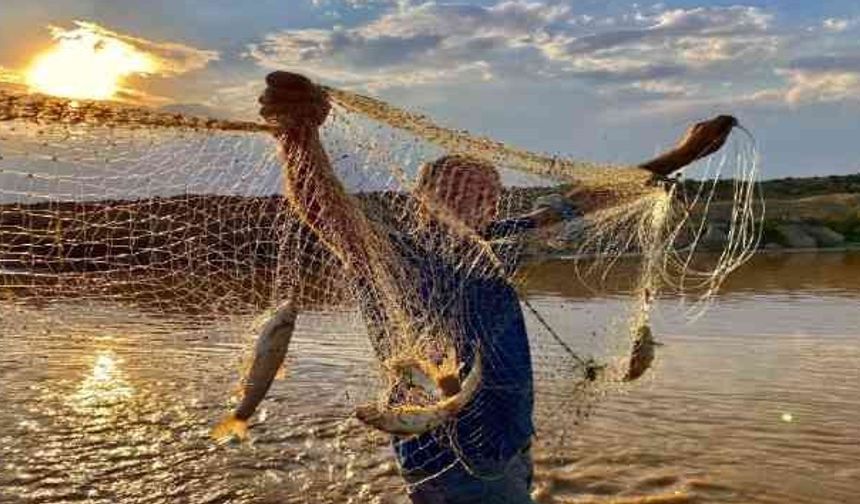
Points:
x=467 y=187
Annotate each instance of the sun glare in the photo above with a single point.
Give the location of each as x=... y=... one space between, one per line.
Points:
x=105 y=386
x=86 y=65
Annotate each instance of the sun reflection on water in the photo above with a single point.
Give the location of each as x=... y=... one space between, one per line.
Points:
x=105 y=387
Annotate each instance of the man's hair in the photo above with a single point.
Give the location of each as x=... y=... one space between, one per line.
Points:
x=448 y=169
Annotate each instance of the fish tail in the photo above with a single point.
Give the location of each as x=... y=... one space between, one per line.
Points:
x=230 y=428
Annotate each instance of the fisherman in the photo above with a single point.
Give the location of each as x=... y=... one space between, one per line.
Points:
x=435 y=274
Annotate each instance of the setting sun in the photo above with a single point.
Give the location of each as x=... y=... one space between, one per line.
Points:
x=83 y=64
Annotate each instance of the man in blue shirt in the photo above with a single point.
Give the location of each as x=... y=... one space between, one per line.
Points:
x=433 y=271
x=483 y=454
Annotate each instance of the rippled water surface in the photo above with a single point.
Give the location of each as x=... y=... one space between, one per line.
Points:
x=755 y=401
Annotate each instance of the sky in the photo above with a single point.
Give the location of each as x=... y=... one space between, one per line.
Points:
x=599 y=80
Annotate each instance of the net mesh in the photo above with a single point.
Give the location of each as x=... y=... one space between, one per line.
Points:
x=183 y=218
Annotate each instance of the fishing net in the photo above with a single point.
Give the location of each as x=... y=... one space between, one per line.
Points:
x=185 y=222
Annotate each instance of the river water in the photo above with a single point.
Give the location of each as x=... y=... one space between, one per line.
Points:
x=754 y=401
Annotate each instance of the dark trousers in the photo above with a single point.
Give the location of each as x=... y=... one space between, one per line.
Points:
x=511 y=485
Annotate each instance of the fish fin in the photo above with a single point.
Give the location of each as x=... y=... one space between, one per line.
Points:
x=230 y=428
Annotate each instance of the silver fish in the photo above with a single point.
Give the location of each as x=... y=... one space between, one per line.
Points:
x=411 y=420
x=269 y=353
x=642 y=355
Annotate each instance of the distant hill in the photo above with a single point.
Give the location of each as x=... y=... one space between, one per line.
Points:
x=800 y=212
x=792 y=187
x=190 y=109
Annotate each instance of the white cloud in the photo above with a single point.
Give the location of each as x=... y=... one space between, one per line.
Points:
x=695 y=55
x=838 y=25
x=666 y=88
x=430 y=42
x=685 y=40
x=822 y=86
x=714 y=21
x=171 y=58
x=825 y=78
x=129 y=62
x=415 y=44
x=355 y=4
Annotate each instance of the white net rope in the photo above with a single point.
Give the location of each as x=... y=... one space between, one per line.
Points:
x=180 y=218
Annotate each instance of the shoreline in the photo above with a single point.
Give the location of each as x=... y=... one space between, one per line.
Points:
x=567 y=256
x=853 y=247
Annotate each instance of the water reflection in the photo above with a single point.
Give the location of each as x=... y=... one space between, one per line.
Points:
x=821 y=272
x=104 y=388
x=755 y=402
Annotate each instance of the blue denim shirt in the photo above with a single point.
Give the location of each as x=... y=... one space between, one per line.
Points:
x=462 y=290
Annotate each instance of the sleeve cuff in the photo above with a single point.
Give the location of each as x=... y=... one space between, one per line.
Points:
x=559 y=204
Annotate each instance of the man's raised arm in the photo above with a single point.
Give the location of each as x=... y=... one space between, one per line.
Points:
x=298 y=107
x=699 y=141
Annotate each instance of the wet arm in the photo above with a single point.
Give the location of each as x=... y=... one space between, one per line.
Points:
x=297 y=108
x=699 y=141
x=315 y=193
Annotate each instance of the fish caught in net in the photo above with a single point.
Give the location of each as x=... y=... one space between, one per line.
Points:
x=373 y=210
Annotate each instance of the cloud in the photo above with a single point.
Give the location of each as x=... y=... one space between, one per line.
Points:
x=353 y=4
x=171 y=58
x=679 y=27
x=651 y=90
x=822 y=86
x=825 y=78
x=427 y=43
x=843 y=63
x=685 y=41
x=432 y=43
x=838 y=25
x=655 y=55
x=88 y=60
x=708 y=21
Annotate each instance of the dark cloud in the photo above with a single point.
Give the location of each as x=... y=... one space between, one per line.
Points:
x=847 y=63
x=380 y=51
x=669 y=26
x=642 y=73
